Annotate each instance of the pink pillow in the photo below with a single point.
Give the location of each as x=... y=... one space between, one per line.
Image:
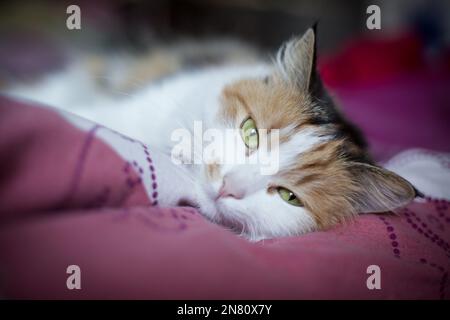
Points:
x=68 y=198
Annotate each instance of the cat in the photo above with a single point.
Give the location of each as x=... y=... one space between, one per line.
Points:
x=326 y=175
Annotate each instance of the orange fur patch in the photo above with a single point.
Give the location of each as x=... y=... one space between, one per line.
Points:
x=320 y=177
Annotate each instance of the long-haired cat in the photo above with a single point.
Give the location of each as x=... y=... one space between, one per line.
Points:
x=325 y=174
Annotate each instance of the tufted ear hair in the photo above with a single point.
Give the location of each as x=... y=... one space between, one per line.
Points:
x=379 y=189
x=296 y=60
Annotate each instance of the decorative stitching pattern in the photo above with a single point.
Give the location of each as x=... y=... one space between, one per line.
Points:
x=423 y=228
x=79 y=166
x=152 y=175
x=392 y=237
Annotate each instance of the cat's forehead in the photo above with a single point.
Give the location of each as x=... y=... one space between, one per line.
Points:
x=302 y=123
x=274 y=105
x=271 y=104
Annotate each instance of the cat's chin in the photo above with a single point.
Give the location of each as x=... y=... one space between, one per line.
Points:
x=217 y=212
x=224 y=213
x=233 y=224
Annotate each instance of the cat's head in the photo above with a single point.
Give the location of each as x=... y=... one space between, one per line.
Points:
x=324 y=177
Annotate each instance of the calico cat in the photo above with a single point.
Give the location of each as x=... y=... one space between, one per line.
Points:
x=325 y=174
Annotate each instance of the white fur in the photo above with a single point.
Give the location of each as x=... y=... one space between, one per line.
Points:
x=151 y=114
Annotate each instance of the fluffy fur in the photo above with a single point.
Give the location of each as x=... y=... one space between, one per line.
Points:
x=323 y=159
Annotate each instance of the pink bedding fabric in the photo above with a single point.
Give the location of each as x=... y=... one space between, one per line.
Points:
x=66 y=197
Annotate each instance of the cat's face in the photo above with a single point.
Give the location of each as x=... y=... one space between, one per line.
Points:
x=324 y=176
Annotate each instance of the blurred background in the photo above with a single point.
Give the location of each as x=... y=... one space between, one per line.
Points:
x=393 y=82
x=29 y=28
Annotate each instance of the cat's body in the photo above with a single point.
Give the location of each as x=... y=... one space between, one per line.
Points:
x=325 y=175
x=150 y=113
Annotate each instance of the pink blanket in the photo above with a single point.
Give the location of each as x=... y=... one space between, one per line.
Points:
x=68 y=198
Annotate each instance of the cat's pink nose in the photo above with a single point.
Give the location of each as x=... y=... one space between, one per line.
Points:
x=228 y=190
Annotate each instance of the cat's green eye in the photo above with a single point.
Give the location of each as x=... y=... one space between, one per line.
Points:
x=289 y=197
x=249 y=134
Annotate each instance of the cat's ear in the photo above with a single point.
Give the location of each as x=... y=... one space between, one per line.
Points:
x=379 y=189
x=296 y=60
